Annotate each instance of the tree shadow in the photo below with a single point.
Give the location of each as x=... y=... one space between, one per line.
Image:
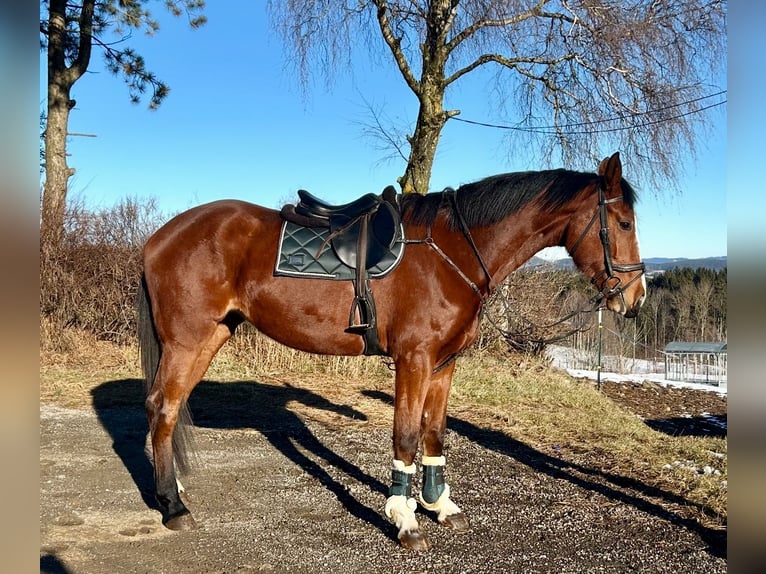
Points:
x=619 y=488
x=703 y=426
x=236 y=405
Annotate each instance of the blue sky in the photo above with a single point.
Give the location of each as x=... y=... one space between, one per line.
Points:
x=236 y=125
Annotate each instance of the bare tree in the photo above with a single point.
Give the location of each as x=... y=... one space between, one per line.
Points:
x=702 y=304
x=682 y=307
x=534 y=308
x=574 y=76
x=69 y=31
x=652 y=319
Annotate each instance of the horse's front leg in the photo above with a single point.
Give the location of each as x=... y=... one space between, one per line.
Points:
x=435 y=492
x=412 y=378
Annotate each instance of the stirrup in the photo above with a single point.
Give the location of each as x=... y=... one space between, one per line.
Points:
x=365 y=311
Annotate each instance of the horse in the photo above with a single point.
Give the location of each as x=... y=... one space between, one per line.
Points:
x=210 y=268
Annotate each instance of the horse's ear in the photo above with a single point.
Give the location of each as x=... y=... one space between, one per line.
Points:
x=611 y=169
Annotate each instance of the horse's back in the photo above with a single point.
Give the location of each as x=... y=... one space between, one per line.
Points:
x=214 y=229
x=218 y=220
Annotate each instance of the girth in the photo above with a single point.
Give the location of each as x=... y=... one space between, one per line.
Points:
x=361 y=234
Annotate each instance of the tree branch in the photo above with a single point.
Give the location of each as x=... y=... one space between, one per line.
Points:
x=495 y=23
x=395 y=46
x=81 y=63
x=509 y=63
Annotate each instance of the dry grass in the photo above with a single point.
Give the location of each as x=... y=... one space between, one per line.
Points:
x=522 y=398
x=569 y=418
x=251 y=354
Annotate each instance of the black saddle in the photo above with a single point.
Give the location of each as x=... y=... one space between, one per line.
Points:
x=378 y=214
x=361 y=233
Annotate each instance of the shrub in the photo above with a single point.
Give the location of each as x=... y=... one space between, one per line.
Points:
x=90 y=281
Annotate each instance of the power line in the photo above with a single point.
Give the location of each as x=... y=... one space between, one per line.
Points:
x=554 y=130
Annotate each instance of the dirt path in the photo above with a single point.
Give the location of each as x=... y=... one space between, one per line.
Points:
x=276 y=492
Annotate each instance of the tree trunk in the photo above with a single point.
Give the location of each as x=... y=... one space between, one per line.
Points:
x=60 y=81
x=57 y=172
x=430 y=92
x=423 y=144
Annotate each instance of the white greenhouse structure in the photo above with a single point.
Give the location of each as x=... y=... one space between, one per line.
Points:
x=696 y=362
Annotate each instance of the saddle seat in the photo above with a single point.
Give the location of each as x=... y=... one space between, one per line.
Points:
x=376 y=217
x=312 y=206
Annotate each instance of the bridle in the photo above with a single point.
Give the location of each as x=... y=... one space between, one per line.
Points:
x=616 y=288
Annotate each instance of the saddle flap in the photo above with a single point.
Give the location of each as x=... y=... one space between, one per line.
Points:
x=381 y=234
x=384 y=225
x=345 y=237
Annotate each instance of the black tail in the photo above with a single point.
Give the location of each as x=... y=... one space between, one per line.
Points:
x=151 y=352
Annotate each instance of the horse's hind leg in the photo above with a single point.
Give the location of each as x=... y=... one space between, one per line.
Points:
x=180 y=370
x=435 y=492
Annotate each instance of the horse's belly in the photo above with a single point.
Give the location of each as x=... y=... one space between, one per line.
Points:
x=315 y=325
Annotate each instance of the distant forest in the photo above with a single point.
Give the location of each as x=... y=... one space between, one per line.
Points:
x=684 y=304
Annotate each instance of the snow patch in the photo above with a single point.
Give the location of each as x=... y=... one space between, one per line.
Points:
x=635 y=370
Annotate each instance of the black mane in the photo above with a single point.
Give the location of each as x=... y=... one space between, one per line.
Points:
x=494 y=198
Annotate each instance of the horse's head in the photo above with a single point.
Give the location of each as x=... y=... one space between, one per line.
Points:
x=608 y=253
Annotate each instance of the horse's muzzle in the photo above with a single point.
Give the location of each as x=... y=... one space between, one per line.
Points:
x=619 y=303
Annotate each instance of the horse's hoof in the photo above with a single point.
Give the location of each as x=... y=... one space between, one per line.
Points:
x=415 y=540
x=457 y=522
x=182 y=521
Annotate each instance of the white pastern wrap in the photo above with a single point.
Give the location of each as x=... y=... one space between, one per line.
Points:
x=443 y=506
x=399 y=508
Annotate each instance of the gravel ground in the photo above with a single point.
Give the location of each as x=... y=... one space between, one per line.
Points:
x=278 y=492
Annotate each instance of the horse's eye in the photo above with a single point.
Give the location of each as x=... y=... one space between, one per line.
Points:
x=626 y=225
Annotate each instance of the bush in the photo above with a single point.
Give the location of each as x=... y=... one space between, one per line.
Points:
x=90 y=281
x=90 y=284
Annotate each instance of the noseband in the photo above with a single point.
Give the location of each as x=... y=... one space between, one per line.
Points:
x=608 y=291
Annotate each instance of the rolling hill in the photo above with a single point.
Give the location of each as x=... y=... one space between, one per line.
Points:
x=653 y=264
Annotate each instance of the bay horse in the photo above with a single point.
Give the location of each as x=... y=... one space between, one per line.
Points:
x=210 y=268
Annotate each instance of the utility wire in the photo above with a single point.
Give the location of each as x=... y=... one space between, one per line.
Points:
x=553 y=130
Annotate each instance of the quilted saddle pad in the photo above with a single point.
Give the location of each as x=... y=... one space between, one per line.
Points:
x=298 y=248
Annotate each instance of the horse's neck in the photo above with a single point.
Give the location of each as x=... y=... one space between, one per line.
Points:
x=509 y=244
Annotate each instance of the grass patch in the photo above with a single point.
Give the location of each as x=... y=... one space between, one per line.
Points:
x=569 y=418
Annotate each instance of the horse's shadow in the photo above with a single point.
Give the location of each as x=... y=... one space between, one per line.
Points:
x=264 y=408
x=620 y=488
x=52 y=564
x=232 y=406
